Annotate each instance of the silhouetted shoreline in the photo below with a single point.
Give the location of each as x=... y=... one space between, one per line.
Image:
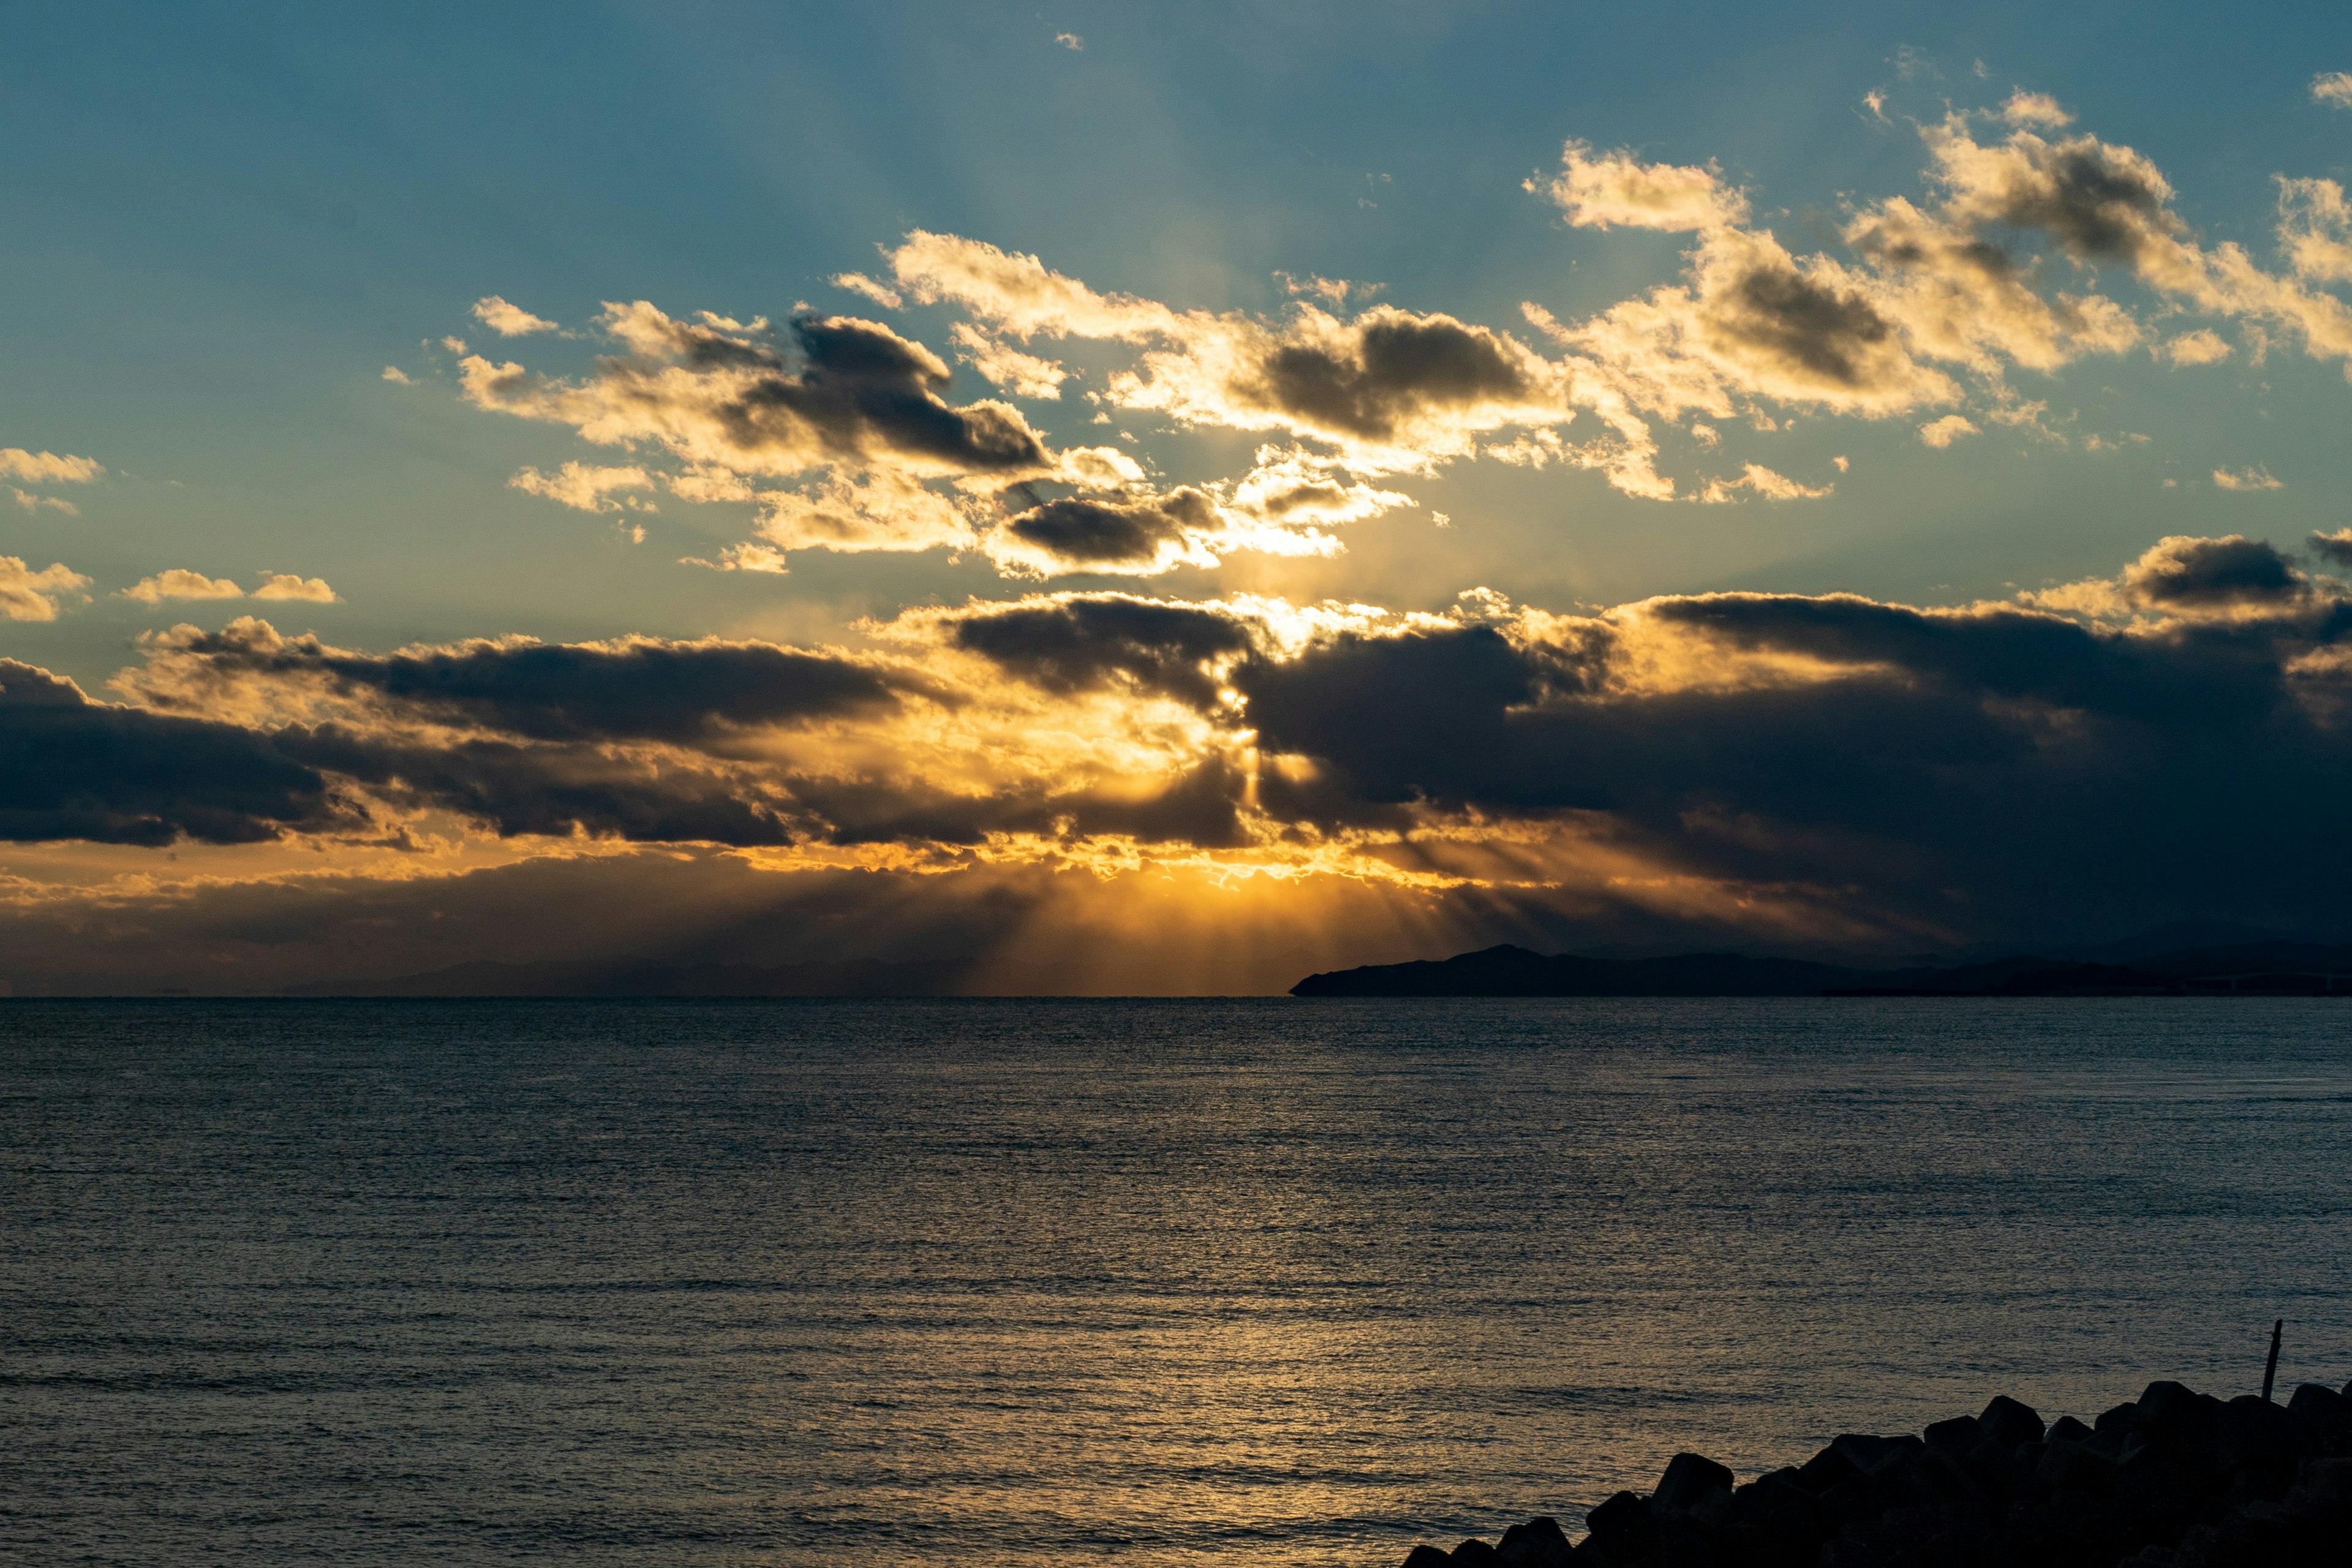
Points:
x=2173 y=1479
x=2240 y=969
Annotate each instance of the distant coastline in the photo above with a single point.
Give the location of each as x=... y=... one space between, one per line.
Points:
x=2237 y=969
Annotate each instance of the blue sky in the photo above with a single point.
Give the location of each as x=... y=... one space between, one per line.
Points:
x=225 y=223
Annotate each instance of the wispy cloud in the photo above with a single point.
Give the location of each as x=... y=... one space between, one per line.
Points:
x=510 y=320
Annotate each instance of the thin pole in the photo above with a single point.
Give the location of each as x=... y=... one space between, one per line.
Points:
x=2270 y=1373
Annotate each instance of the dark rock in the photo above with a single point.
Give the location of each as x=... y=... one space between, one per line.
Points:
x=2325 y=1417
x=1863 y=1451
x=2182 y=1423
x=2071 y=1466
x=2153 y=1491
x=1851 y=1501
x=1942 y=1480
x=2308 y=1528
x=1622 y=1531
x=1537 y=1544
x=1688 y=1480
x=2009 y=1423
x=2173 y=1479
x=1954 y=1437
x=2255 y=1435
x=1995 y=1469
x=1826 y=1471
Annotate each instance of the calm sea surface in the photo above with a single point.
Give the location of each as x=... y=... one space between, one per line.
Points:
x=1158 y=1282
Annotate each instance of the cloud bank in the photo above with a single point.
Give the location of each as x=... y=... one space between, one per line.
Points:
x=1827 y=767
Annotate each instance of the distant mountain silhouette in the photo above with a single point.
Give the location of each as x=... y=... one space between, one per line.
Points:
x=2279 y=968
x=577 y=979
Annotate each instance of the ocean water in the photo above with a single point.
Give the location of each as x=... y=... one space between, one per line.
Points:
x=1264 y=1282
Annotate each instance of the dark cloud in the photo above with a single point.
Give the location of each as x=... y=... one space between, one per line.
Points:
x=1390 y=368
x=855 y=393
x=2334 y=548
x=2186 y=573
x=1071 y=641
x=72 y=768
x=2098 y=202
x=513 y=789
x=2004 y=774
x=1830 y=335
x=865 y=388
x=1078 y=533
x=640 y=688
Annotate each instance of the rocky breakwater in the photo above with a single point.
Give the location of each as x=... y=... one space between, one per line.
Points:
x=2173 y=1479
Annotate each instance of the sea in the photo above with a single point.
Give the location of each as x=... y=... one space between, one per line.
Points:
x=1263 y=1281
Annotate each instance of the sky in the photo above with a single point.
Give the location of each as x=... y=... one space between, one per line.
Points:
x=1163 y=499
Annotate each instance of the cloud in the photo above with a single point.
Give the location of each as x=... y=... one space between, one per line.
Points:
x=30 y=596
x=288 y=585
x=2314 y=229
x=74 y=769
x=397 y=376
x=630 y=689
x=723 y=398
x=510 y=320
x=32 y=502
x=2333 y=87
x=1293 y=488
x=1332 y=292
x=1023 y=375
x=180 y=584
x=1816 y=767
x=2203 y=346
x=47 y=468
x=1070 y=41
x=841 y=433
x=2186 y=571
x=2254 y=477
x=1066 y=643
x=2038 y=109
x=864 y=512
x=1018 y=293
x=1140 y=537
x=1612 y=189
x=750 y=556
x=2336 y=547
x=583 y=486
x=858 y=283
x=1760 y=481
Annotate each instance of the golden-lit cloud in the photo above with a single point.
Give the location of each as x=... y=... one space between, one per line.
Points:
x=2203 y=346
x=585 y=487
x=47 y=468
x=841 y=433
x=2254 y=477
x=510 y=320
x=1614 y=189
x=2314 y=229
x=2035 y=109
x=30 y=596
x=290 y=585
x=180 y=584
x=1021 y=374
